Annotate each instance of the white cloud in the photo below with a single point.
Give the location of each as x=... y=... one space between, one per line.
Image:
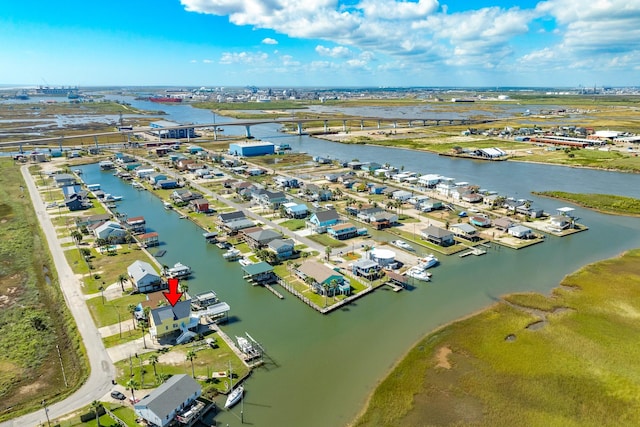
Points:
x=269 y=40
x=207 y=61
x=336 y=52
x=243 y=58
x=424 y=34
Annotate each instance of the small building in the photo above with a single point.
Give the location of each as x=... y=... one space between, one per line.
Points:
x=402 y=195
x=261 y=238
x=260 y=273
x=283 y=248
x=480 y=221
x=342 y=231
x=520 y=231
x=503 y=224
x=320 y=220
x=559 y=222
x=144 y=277
x=251 y=148
x=164 y=404
x=199 y=205
x=465 y=230
x=148 y=240
x=64 y=179
x=438 y=235
x=136 y=224
x=366 y=268
x=322 y=275
x=166 y=129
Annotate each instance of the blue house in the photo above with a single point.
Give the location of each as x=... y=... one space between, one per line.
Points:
x=376 y=189
x=320 y=220
x=167 y=184
x=282 y=247
x=155 y=177
x=342 y=231
x=297 y=211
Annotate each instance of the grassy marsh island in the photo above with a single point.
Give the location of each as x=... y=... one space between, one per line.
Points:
x=33 y=314
x=567 y=359
x=605 y=203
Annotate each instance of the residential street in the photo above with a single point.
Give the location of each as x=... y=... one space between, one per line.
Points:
x=102 y=368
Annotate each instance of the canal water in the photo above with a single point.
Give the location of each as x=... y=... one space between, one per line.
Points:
x=321 y=369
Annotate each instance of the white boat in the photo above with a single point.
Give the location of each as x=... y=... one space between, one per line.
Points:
x=245 y=345
x=244 y=261
x=167 y=205
x=137 y=185
x=428 y=261
x=111 y=198
x=234 y=397
x=418 y=273
x=179 y=271
x=402 y=244
x=232 y=254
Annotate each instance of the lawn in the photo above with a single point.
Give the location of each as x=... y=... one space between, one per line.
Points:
x=578 y=367
x=607 y=203
x=107 y=313
x=294 y=224
x=124 y=412
x=325 y=240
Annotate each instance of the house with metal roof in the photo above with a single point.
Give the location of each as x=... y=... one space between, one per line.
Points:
x=165 y=320
x=520 y=231
x=144 y=277
x=321 y=274
x=283 y=248
x=259 y=273
x=437 y=235
x=465 y=230
x=110 y=230
x=164 y=404
x=342 y=231
x=261 y=238
x=320 y=220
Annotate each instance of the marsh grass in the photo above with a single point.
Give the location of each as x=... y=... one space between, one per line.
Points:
x=580 y=369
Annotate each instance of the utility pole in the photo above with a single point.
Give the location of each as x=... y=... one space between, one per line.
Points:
x=46 y=412
x=64 y=376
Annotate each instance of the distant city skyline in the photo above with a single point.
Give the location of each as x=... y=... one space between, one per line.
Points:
x=321 y=43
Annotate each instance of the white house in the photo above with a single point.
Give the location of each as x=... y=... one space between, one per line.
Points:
x=110 y=230
x=429 y=180
x=402 y=195
x=170 y=400
x=520 y=231
x=144 y=277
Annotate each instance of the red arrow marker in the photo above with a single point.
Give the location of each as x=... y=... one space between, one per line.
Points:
x=173 y=295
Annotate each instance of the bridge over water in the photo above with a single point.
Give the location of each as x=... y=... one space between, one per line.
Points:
x=381 y=122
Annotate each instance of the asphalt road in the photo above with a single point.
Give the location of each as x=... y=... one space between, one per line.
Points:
x=102 y=369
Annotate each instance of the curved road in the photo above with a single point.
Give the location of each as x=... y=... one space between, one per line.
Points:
x=102 y=368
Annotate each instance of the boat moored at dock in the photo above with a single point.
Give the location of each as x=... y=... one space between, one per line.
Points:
x=179 y=271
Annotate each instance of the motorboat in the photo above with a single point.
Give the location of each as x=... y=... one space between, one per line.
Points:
x=178 y=271
x=245 y=345
x=234 y=397
x=402 y=245
x=232 y=254
x=418 y=273
x=111 y=198
x=137 y=185
x=428 y=261
x=244 y=261
x=167 y=205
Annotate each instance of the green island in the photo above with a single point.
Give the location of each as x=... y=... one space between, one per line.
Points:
x=605 y=203
x=567 y=359
x=33 y=314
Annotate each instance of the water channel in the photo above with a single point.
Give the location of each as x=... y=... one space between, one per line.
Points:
x=322 y=368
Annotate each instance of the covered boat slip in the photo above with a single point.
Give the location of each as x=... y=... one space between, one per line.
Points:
x=259 y=273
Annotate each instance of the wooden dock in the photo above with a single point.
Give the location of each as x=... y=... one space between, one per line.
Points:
x=273 y=291
x=396 y=288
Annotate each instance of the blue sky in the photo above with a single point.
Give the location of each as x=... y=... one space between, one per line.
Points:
x=321 y=43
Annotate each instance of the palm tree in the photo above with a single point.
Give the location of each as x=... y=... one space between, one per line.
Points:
x=76 y=236
x=96 y=406
x=132 y=385
x=122 y=278
x=184 y=287
x=132 y=309
x=143 y=326
x=190 y=356
x=153 y=359
x=327 y=252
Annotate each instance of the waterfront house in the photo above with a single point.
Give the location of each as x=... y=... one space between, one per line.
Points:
x=259 y=273
x=465 y=230
x=512 y=204
x=111 y=231
x=184 y=196
x=199 y=205
x=437 y=235
x=530 y=211
x=76 y=202
x=144 y=277
x=64 y=179
x=144 y=172
x=163 y=405
x=148 y=240
x=231 y=216
x=342 y=231
x=503 y=224
x=167 y=184
x=520 y=231
x=136 y=224
x=238 y=224
x=383 y=219
x=323 y=276
x=155 y=177
x=283 y=248
x=446 y=186
x=429 y=180
x=490 y=200
x=261 y=238
x=322 y=219
x=469 y=196
x=559 y=222
x=167 y=320
x=366 y=268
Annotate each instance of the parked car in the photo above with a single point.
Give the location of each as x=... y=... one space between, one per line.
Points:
x=117 y=395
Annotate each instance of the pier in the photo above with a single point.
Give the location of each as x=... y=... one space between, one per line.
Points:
x=273 y=291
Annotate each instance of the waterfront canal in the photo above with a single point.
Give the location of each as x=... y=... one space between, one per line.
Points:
x=321 y=369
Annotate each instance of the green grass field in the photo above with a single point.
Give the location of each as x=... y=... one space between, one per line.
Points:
x=580 y=368
x=606 y=203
